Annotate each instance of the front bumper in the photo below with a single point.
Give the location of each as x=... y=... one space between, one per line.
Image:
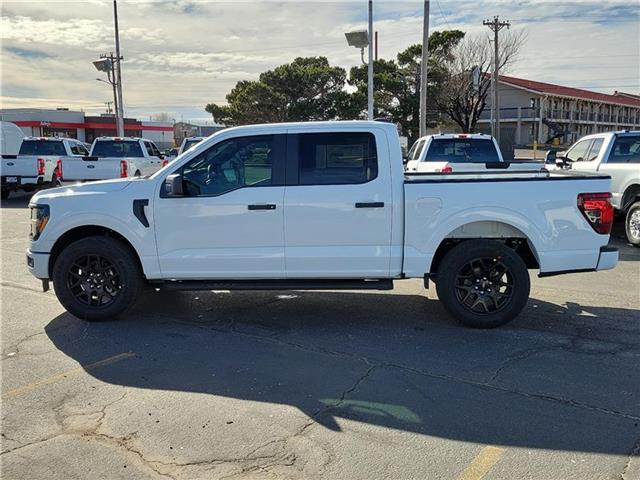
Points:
x=608 y=258
x=38 y=264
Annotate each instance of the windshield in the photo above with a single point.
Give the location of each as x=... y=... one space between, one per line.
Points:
x=190 y=143
x=117 y=148
x=462 y=150
x=42 y=147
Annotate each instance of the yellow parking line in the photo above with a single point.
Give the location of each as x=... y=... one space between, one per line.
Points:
x=69 y=373
x=480 y=466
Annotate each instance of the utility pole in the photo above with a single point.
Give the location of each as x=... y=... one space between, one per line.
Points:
x=496 y=25
x=423 y=70
x=118 y=82
x=370 y=66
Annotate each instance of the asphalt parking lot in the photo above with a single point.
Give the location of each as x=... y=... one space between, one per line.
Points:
x=331 y=385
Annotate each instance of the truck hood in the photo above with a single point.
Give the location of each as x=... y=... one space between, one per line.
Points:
x=89 y=188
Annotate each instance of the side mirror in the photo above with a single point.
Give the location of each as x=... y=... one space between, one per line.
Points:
x=173 y=185
x=405 y=159
x=161 y=156
x=551 y=156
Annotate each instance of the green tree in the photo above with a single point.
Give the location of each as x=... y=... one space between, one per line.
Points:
x=397 y=83
x=305 y=89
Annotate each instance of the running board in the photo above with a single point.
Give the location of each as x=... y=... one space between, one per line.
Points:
x=336 y=284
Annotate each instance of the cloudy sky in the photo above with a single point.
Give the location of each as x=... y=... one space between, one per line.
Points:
x=182 y=54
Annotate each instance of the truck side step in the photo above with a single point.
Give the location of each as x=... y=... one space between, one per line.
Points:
x=293 y=284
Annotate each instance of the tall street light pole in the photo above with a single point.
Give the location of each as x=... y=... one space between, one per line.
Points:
x=424 y=70
x=118 y=80
x=370 y=65
x=496 y=25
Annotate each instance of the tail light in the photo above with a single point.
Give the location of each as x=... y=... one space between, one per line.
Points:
x=41 y=166
x=597 y=209
x=123 y=169
x=165 y=163
x=447 y=169
x=59 y=168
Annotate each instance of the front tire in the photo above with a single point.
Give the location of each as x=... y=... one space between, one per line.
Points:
x=632 y=224
x=483 y=283
x=97 y=278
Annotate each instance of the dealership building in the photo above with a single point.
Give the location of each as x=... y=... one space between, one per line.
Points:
x=62 y=122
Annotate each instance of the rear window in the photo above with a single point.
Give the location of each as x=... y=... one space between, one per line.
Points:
x=117 y=148
x=42 y=147
x=336 y=158
x=462 y=150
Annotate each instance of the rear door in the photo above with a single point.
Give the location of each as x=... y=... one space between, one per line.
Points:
x=338 y=204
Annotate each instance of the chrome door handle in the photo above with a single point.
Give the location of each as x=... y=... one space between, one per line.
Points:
x=262 y=206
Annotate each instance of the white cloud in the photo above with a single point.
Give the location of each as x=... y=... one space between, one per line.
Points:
x=180 y=55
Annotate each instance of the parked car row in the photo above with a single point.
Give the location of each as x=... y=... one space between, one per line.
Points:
x=49 y=161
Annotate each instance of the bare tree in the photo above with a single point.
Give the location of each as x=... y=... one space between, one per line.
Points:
x=458 y=98
x=164 y=117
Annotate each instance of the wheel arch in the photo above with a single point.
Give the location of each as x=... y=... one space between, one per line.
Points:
x=630 y=196
x=502 y=232
x=84 y=231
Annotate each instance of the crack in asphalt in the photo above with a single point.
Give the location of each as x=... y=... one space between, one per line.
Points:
x=635 y=452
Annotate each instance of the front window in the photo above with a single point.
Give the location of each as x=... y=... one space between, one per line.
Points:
x=42 y=147
x=462 y=150
x=117 y=149
x=578 y=152
x=595 y=150
x=229 y=165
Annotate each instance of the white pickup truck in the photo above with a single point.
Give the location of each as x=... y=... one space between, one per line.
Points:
x=38 y=163
x=320 y=205
x=115 y=157
x=189 y=142
x=461 y=152
x=616 y=154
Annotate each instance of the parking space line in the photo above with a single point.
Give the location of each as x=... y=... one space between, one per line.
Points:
x=16 y=392
x=480 y=466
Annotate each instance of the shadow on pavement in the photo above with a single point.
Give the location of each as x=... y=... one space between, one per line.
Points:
x=390 y=360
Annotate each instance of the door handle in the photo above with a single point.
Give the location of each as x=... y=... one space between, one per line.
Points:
x=262 y=206
x=370 y=205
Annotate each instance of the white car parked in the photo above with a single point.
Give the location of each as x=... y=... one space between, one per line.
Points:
x=616 y=154
x=460 y=152
x=189 y=142
x=115 y=157
x=38 y=163
x=320 y=205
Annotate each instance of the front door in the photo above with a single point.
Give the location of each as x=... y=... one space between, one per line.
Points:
x=229 y=223
x=338 y=205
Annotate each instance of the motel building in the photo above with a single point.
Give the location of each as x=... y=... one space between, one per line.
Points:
x=62 y=122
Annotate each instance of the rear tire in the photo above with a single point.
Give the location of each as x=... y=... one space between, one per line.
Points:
x=5 y=193
x=483 y=283
x=632 y=224
x=97 y=278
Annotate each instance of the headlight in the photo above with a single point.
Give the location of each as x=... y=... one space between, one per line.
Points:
x=39 y=220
